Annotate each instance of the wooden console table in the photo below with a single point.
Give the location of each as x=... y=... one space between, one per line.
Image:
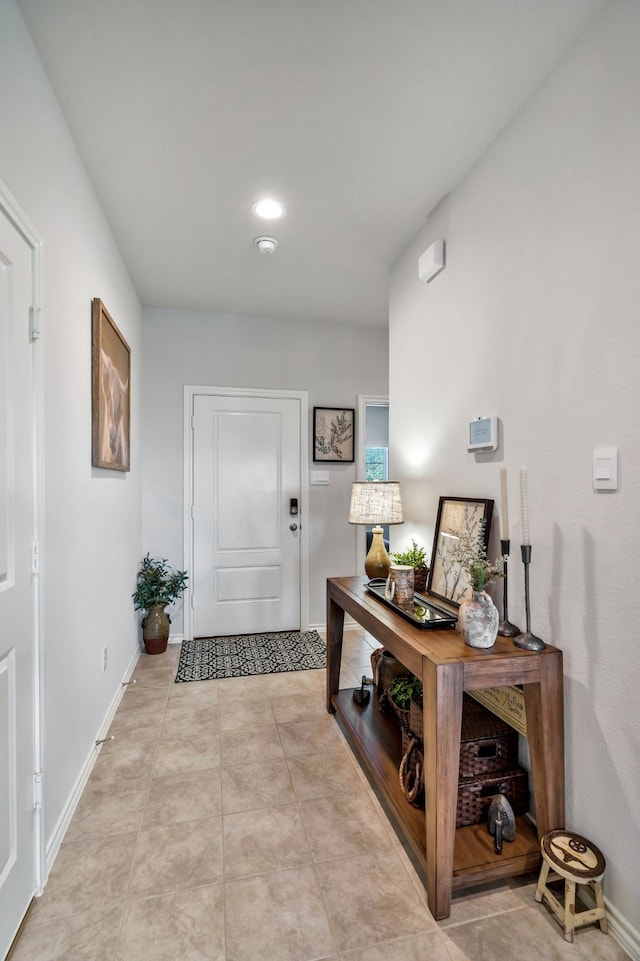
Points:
x=449 y=859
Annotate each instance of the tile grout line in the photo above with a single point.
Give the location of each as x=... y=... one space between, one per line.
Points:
x=127 y=900
x=484 y=917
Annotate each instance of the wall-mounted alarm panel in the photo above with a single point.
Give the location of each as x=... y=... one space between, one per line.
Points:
x=483 y=434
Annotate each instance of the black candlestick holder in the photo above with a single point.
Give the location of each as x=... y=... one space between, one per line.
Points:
x=506 y=628
x=528 y=641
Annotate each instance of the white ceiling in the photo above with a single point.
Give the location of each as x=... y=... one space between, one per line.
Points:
x=359 y=114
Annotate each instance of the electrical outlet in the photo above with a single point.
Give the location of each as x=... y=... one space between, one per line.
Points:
x=104 y=659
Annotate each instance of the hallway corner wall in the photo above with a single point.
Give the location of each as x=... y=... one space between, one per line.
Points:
x=535 y=319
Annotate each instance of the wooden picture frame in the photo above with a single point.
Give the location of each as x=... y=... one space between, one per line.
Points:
x=456 y=515
x=110 y=392
x=334 y=434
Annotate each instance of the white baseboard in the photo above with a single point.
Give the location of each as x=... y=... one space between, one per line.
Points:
x=57 y=835
x=619 y=928
x=626 y=935
x=349 y=623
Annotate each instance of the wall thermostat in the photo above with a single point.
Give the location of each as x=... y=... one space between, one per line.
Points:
x=483 y=434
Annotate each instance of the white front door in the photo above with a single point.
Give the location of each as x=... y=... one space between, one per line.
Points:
x=17 y=619
x=246 y=536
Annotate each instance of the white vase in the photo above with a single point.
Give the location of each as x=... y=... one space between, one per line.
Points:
x=478 y=620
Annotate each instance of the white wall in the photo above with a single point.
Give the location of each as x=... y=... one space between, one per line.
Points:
x=535 y=318
x=93 y=517
x=333 y=363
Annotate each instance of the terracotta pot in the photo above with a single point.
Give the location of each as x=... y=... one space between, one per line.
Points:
x=155 y=629
x=478 y=620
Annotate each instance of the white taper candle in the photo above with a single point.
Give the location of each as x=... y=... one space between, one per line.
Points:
x=524 y=505
x=504 y=503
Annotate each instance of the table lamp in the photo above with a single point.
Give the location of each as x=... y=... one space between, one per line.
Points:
x=376 y=502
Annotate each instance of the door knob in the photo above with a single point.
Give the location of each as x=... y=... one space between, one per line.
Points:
x=293 y=527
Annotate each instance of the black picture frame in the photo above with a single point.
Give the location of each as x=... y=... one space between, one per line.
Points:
x=334 y=431
x=456 y=515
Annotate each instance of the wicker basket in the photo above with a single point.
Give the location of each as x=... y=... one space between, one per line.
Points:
x=420 y=575
x=416 y=719
x=488 y=745
x=400 y=713
x=475 y=795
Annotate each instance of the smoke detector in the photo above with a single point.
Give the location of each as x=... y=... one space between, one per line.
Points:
x=266 y=245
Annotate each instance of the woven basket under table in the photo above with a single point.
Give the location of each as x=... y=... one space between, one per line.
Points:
x=487 y=743
x=400 y=713
x=475 y=795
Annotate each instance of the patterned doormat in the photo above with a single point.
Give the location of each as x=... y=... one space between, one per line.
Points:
x=240 y=655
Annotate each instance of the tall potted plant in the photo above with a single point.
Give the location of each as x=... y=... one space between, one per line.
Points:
x=157 y=585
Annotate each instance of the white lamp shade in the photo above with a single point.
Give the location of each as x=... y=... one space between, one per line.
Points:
x=376 y=502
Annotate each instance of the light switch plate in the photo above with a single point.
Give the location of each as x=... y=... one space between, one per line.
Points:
x=605 y=469
x=319 y=476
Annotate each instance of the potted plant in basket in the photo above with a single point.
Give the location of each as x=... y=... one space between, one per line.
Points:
x=157 y=585
x=414 y=557
x=404 y=689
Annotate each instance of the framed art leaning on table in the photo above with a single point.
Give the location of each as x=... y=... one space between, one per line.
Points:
x=457 y=517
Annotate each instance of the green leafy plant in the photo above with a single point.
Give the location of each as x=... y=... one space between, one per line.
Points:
x=157 y=583
x=404 y=689
x=471 y=555
x=414 y=557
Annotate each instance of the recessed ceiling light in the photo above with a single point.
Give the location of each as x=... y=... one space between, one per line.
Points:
x=268 y=209
x=266 y=245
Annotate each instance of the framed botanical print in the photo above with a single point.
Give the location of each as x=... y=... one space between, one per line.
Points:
x=457 y=517
x=333 y=434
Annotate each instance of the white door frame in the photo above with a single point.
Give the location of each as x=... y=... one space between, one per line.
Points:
x=13 y=212
x=190 y=391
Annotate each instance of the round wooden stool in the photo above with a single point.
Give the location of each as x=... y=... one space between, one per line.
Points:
x=570 y=856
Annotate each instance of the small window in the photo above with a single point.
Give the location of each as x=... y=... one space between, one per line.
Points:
x=376 y=468
x=376 y=463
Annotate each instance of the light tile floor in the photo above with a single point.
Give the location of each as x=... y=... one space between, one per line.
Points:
x=228 y=821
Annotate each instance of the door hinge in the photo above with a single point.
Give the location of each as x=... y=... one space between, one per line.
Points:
x=193 y=601
x=34 y=323
x=35 y=557
x=37 y=789
x=193 y=511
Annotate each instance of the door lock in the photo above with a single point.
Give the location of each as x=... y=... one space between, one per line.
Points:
x=293 y=506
